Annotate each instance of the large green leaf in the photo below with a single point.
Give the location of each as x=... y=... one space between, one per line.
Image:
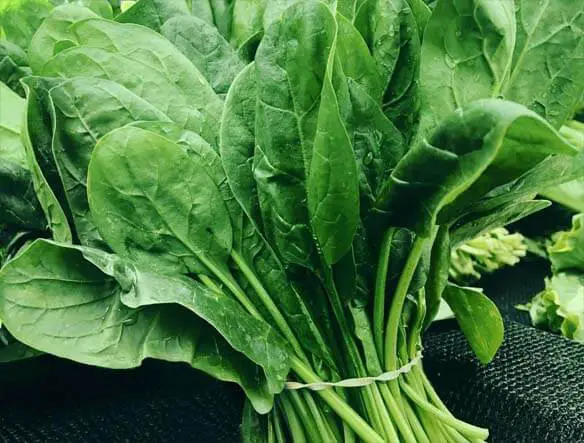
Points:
x=153 y=13
x=19 y=19
x=37 y=140
x=237 y=142
x=520 y=50
x=388 y=28
x=148 y=65
x=478 y=318
x=206 y=48
x=297 y=122
x=13 y=66
x=56 y=300
x=146 y=213
x=54 y=34
x=484 y=145
x=249 y=242
x=85 y=110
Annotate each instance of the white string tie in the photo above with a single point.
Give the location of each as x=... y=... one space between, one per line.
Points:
x=356 y=382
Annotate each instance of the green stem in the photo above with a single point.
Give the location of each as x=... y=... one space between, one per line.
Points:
x=474 y=432
x=380 y=287
x=269 y=304
x=372 y=404
x=272 y=426
x=231 y=284
x=354 y=420
x=294 y=424
x=417 y=428
x=279 y=434
x=397 y=304
x=313 y=433
x=323 y=426
x=397 y=415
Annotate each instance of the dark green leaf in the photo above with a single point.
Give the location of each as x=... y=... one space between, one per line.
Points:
x=482 y=146
x=37 y=140
x=475 y=224
x=13 y=66
x=437 y=273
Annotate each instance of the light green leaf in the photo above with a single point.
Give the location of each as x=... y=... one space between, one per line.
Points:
x=85 y=110
x=478 y=318
x=153 y=13
x=53 y=32
x=567 y=251
x=522 y=51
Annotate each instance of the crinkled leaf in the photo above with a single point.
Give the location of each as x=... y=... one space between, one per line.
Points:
x=567 y=251
x=13 y=66
x=206 y=48
x=526 y=52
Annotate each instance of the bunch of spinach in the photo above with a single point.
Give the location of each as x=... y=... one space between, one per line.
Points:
x=271 y=190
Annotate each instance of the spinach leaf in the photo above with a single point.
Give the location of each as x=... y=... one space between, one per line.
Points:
x=55 y=34
x=238 y=141
x=85 y=110
x=478 y=318
x=12 y=108
x=145 y=214
x=78 y=312
x=294 y=121
x=139 y=59
x=153 y=13
x=474 y=224
x=387 y=27
x=245 y=239
x=511 y=49
x=206 y=48
x=247 y=22
x=37 y=140
x=19 y=19
x=13 y=66
x=482 y=146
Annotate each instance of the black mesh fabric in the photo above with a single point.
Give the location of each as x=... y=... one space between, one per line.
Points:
x=532 y=392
